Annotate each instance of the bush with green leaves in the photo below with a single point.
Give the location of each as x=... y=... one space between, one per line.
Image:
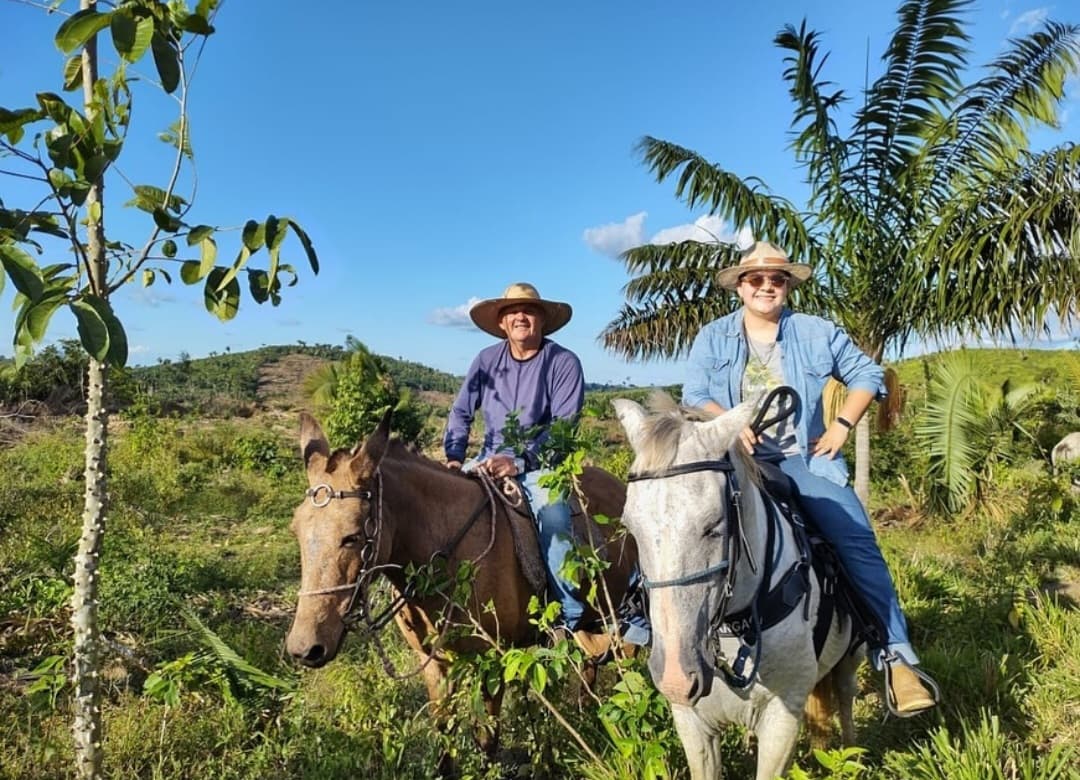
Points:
x=353 y=395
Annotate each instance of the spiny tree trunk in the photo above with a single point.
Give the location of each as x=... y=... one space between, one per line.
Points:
x=87 y=725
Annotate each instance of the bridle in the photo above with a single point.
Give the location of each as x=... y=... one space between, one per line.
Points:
x=734 y=540
x=359 y=606
x=358 y=609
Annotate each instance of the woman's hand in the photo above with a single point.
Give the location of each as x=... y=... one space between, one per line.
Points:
x=831 y=442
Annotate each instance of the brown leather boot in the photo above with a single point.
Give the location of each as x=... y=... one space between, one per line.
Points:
x=908 y=693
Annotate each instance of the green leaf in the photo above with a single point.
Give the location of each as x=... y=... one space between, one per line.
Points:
x=80 y=27
x=147 y=277
x=313 y=259
x=167 y=61
x=131 y=35
x=222 y=303
x=168 y=248
x=275 y=231
x=254 y=235
x=116 y=352
x=166 y=221
x=93 y=332
x=197 y=25
x=24 y=273
x=189 y=272
x=148 y=197
x=209 y=256
x=73 y=73
x=238 y=263
x=33 y=319
x=259 y=285
x=198 y=233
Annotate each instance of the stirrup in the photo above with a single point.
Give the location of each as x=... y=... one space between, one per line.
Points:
x=887 y=660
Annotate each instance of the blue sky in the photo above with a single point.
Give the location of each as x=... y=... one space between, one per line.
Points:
x=436 y=152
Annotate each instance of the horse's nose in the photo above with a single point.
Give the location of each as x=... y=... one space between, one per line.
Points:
x=315 y=656
x=693 y=693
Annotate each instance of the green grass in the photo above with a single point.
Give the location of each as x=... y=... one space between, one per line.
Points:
x=199 y=520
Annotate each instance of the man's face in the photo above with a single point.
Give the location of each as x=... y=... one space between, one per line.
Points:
x=523 y=323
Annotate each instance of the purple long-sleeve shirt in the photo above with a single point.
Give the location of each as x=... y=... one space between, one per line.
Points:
x=548 y=386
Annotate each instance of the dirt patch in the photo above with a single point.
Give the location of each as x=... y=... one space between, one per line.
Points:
x=281 y=383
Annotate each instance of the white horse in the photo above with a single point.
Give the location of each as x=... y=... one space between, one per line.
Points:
x=705 y=546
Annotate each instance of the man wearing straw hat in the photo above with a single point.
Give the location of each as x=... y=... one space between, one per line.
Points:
x=763 y=345
x=528 y=375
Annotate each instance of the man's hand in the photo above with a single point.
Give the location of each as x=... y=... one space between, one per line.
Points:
x=499 y=466
x=454 y=464
x=831 y=442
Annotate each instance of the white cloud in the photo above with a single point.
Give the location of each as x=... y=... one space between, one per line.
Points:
x=455 y=316
x=1029 y=20
x=138 y=349
x=708 y=229
x=616 y=237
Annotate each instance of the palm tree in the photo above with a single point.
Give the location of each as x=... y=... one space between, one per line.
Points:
x=930 y=216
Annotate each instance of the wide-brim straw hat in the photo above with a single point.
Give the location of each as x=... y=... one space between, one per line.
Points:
x=486 y=314
x=763 y=256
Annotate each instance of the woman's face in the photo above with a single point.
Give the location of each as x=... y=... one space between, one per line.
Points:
x=764 y=292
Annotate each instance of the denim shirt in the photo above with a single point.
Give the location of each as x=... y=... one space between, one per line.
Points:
x=813 y=350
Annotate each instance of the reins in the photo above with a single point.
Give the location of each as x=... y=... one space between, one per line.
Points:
x=734 y=541
x=359 y=608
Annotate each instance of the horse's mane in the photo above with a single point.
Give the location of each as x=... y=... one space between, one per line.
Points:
x=662 y=430
x=396 y=450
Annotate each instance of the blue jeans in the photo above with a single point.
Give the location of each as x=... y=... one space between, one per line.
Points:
x=839 y=515
x=553 y=522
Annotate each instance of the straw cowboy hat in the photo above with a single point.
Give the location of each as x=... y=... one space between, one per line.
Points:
x=486 y=314
x=763 y=256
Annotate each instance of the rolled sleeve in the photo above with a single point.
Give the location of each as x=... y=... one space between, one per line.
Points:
x=855 y=368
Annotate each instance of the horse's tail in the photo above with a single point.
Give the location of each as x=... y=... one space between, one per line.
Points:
x=819 y=711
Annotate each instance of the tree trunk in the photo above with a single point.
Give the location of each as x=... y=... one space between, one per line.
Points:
x=862 y=461
x=87 y=727
x=87 y=723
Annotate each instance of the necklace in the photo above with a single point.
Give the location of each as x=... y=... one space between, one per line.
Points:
x=763 y=358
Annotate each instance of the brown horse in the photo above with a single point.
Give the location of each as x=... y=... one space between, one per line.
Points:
x=380 y=508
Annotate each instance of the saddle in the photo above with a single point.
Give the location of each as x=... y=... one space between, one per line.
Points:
x=838 y=595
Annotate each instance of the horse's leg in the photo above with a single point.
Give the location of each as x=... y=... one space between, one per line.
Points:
x=701 y=743
x=847 y=687
x=777 y=730
x=415 y=627
x=819 y=711
x=487 y=735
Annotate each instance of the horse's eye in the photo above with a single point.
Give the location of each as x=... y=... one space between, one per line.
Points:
x=714 y=530
x=352 y=540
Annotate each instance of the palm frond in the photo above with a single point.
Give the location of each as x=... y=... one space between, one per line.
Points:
x=1024 y=87
x=945 y=430
x=1002 y=259
x=658 y=329
x=923 y=63
x=231 y=659
x=742 y=201
x=815 y=139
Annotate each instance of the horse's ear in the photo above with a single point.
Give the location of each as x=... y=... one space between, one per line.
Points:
x=372 y=451
x=720 y=434
x=632 y=417
x=313 y=444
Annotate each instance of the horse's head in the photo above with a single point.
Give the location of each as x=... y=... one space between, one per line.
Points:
x=679 y=519
x=341 y=535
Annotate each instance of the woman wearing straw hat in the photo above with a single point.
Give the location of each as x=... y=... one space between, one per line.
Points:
x=763 y=345
x=528 y=375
